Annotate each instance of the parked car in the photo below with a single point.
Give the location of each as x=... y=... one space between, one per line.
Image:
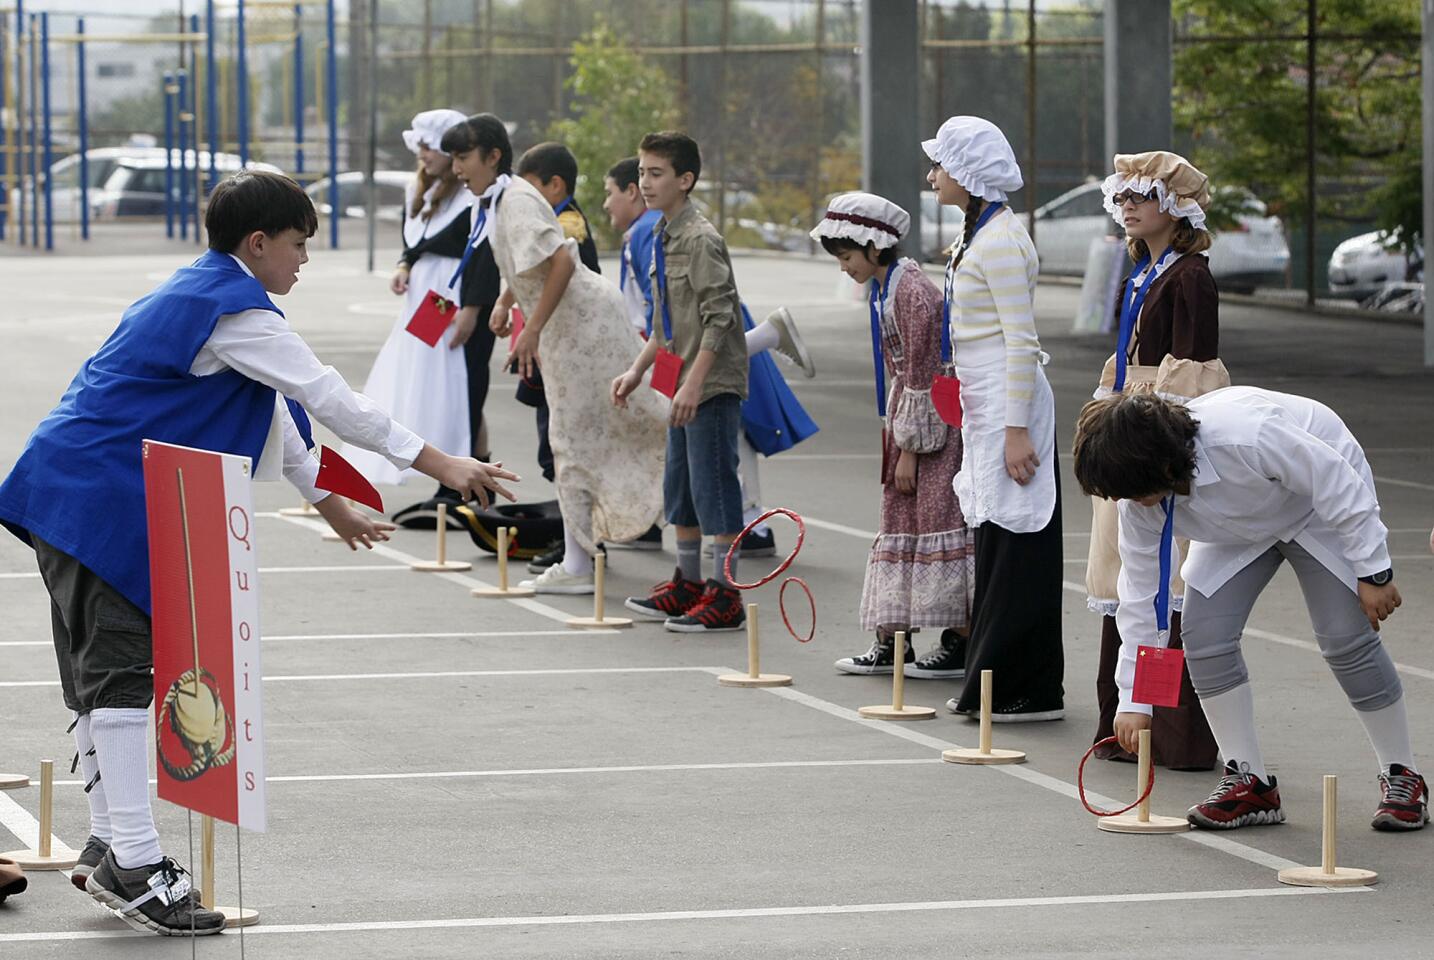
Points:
x=135 y=186
x=65 y=175
x=1401 y=297
x=353 y=199
x=1361 y=266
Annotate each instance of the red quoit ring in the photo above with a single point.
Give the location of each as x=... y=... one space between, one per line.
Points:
x=1080 y=783
x=811 y=602
x=732 y=550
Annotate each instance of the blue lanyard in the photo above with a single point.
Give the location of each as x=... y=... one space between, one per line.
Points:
x=468 y=250
x=947 y=291
x=1129 y=313
x=1167 y=546
x=562 y=206
x=878 y=307
x=660 y=259
x=622 y=265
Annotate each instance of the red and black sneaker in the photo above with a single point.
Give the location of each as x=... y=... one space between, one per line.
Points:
x=1240 y=800
x=719 y=611
x=671 y=598
x=1404 y=804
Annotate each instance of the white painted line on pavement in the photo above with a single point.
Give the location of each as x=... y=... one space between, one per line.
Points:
x=838 y=909
x=428 y=675
x=348 y=568
x=470 y=635
x=26 y=828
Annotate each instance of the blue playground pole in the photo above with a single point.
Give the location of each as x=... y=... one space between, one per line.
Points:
x=168 y=154
x=298 y=88
x=34 y=142
x=243 y=84
x=211 y=101
x=332 y=82
x=4 y=154
x=45 y=81
x=19 y=124
x=182 y=101
x=194 y=127
x=84 y=124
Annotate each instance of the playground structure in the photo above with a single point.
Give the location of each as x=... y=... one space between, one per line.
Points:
x=27 y=132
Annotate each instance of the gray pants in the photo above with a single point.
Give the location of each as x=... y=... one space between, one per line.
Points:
x=1211 y=628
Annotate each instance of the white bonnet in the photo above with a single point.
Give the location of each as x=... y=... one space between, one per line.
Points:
x=978 y=156
x=429 y=127
x=863 y=218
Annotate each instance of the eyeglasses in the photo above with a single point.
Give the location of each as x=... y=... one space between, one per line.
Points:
x=1130 y=195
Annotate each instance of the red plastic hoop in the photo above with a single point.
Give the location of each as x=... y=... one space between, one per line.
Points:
x=811 y=602
x=732 y=550
x=1080 y=783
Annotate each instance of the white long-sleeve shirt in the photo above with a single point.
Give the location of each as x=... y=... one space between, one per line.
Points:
x=1270 y=468
x=262 y=346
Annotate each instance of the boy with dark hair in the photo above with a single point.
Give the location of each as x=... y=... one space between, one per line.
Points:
x=701 y=333
x=1253 y=478
x=207 y=361
x=552 y=168
x=634 y=221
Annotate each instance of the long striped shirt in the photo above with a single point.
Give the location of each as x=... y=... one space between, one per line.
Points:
x=993 y=291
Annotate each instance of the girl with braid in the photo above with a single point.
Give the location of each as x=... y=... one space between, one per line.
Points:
x=1008 y=485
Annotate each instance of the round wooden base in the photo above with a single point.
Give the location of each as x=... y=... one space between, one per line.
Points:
x=298 y=512
x=433 y=566
x=234 y=917
x=13 y=781
x=888 y=712
x=1316 y=877
x=31 y=860
x=591 y=623
x=493 y=593
x=972 y=755
x=761 y=680
x=1130 y=823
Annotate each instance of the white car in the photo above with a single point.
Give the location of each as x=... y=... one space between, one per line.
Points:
x=353 y=197
x=135 y=186
x=1362 y=265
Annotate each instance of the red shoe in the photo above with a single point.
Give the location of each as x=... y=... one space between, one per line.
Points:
x=1404 y=804
x=719 y=611
x=1240 y=800
x=671 y=598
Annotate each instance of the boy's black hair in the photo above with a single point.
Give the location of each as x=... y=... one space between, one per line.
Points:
x=1131 y=446
x=256 y=200
x=676 y=148
x=624 y=173
x=549 y=160
x=885 y=257
x=482 y=131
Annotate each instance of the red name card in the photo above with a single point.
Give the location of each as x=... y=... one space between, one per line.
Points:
x=431 y=318
x=665 y=370
x=1157 y=676
x=946 y=397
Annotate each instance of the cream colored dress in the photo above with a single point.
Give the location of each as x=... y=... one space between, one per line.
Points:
x=609 y=462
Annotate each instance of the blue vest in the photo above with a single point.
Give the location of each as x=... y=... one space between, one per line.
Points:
x=79 y=483
x=772 y=416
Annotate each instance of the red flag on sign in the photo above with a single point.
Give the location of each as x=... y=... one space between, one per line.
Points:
x=337 y=475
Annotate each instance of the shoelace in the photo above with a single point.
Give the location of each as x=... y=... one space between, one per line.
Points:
x=1228 y=782
x=935 y=653
x=1401 y=788
x=174 y=886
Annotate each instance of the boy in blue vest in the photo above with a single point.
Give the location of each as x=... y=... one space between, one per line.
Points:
x=206 y=360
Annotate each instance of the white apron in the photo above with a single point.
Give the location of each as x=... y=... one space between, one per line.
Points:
x=986 y=492
x=424 y=388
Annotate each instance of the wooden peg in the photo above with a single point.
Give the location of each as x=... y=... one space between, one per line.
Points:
x=897 y=709
x=1142 y=821
x=505 y=535
x=442 y=563
x=233 y=916
x=1328 y=873
x=754 y=677
x=597 y=620
x=984 y=754
x=43 y=856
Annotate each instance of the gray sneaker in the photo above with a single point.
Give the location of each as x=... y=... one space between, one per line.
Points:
x=790 y=343
x=157 y=898
x=90 y=857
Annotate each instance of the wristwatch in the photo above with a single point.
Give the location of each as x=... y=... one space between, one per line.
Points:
x=1380 y=579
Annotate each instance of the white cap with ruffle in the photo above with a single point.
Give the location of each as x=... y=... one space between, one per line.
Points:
x=978 y=156
x=428 y=128
x=863 y=218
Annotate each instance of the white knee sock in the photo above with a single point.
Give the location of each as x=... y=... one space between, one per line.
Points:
x=121 y=739
x=752 y=513
x=576 y=560
x=1232 y=720
x=89 y=769
x=1388 y=730
x=763 y=336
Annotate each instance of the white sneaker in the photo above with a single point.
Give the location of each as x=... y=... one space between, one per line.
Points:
x=557 y=580
x=790 y=343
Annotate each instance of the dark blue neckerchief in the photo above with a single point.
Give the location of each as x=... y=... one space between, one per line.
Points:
x=948 y=288
x=659 y=257
x=1167 y=546
x=878 y=307
x=472 y=240
x=568 y=202
x=1130 y=312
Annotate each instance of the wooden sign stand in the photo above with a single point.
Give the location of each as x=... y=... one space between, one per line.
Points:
x=233 y=916
x=897 y=709
x=503 y=590
x=1327 y=874
x=984 y=755
x=44 y=857
x=13 y=781
x=754 y=677
x=442 y=563
x=1142 y=821
x=597 y=620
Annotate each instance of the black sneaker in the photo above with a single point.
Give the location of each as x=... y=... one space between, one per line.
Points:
x=671 y=598
x=946 y=661
x=551 y=558
x=757 y=544
x=719 y=611
x=1022 y=710
x=651 y=540
x=878 y=659
x=90 y=857
x=158 y=898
